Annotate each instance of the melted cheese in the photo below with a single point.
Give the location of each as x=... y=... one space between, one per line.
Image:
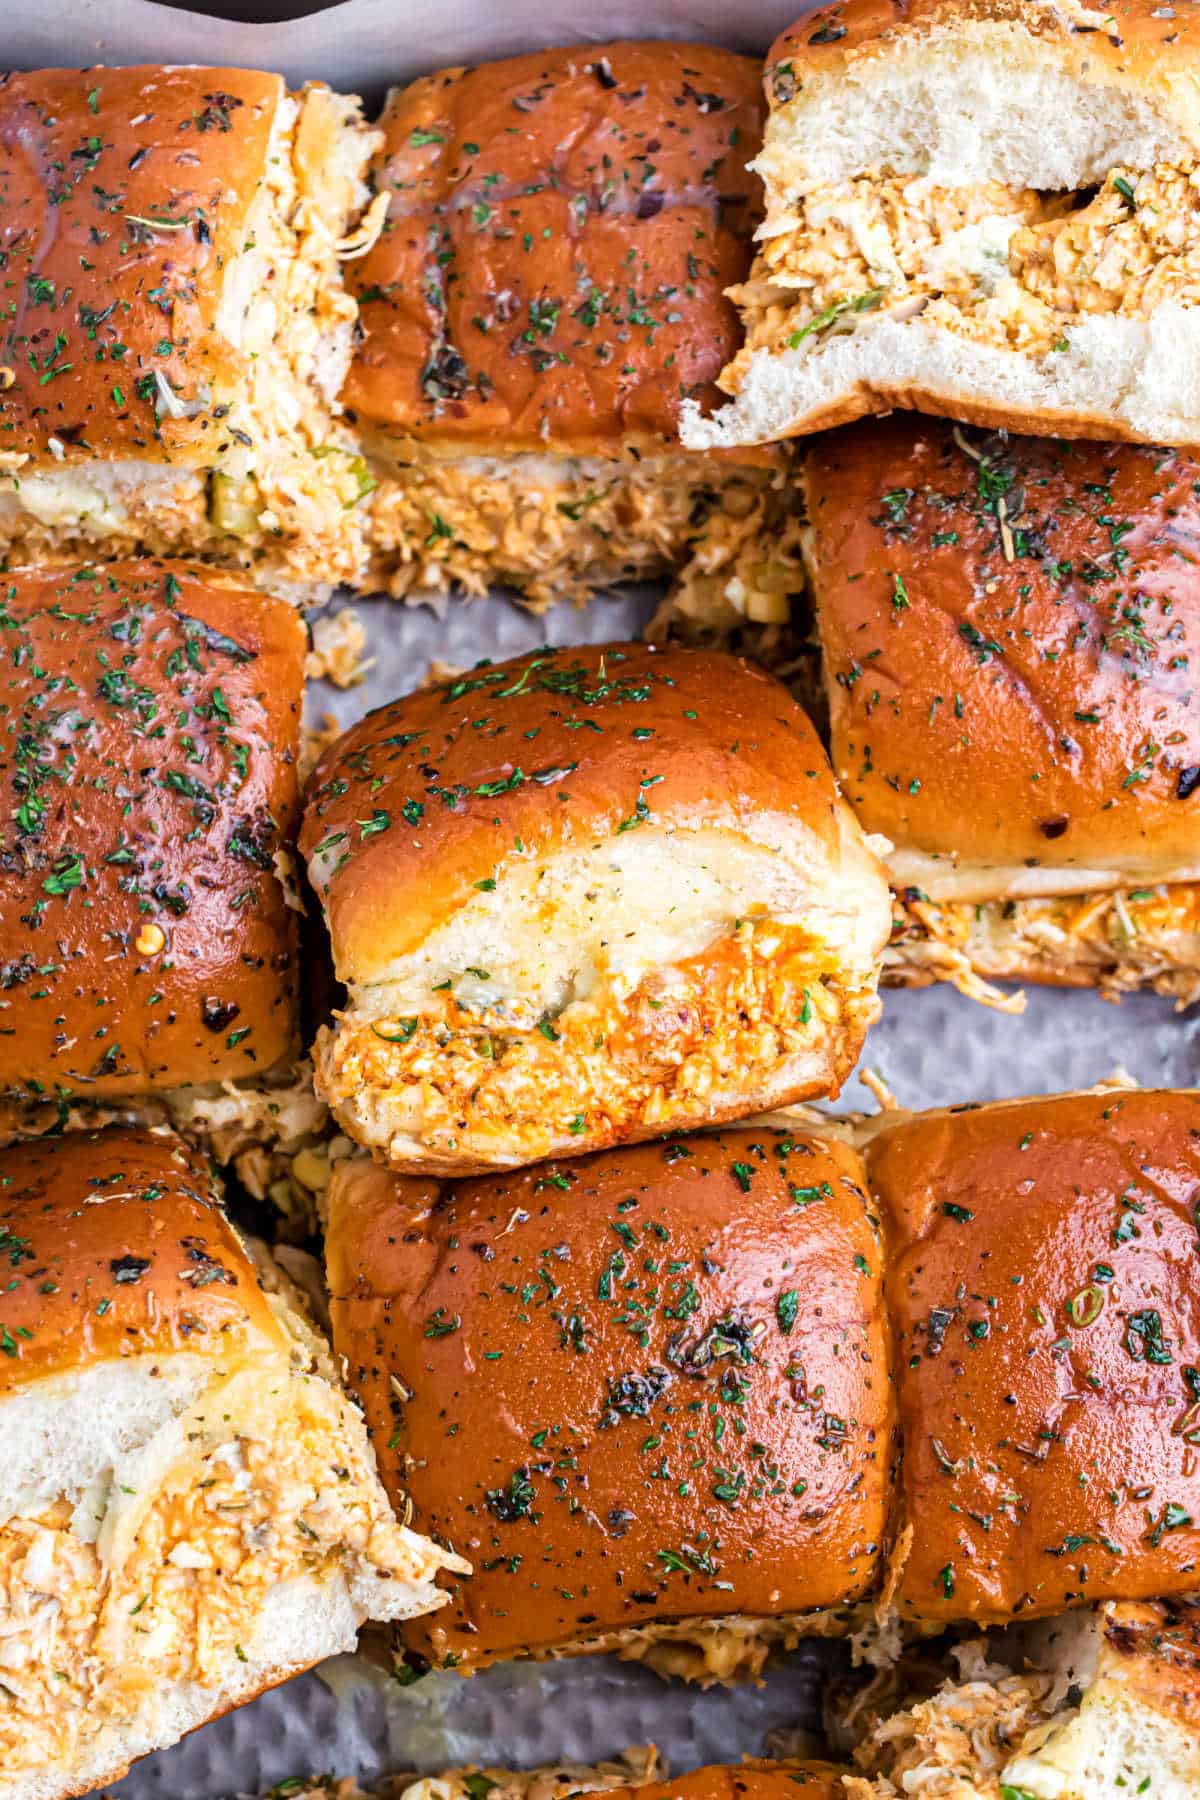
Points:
x=1117 y=940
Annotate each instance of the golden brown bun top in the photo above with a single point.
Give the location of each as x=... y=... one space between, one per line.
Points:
x=751 y=1780
x=1043 y=1292
x=562 y=227
x=1039 y=706
x=1135 y=40
x=113 y=1244
x=149 y=722
x=424 y=800
x=123 y=197
x=654 y=1377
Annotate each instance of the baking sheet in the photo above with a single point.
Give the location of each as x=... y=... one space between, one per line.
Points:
x=932 y=1047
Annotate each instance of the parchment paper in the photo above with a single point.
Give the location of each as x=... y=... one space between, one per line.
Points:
x=931 y=1047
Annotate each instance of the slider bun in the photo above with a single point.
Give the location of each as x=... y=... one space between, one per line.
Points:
x=148 y=941
x=189 y=144
x=1013 y=727
x=753 y=1779
x=143 y=1367
x=1043 y=1306
x=558 y=1317
x=1026 y=93
x=624 y=165
x=492 y=854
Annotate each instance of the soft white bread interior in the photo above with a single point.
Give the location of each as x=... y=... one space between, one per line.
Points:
x=986 y=210
x=669 y=919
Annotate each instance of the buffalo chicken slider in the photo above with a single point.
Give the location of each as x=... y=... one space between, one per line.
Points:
x=582 y=897
x=645 y=1394
x=1011 y=639
x=149 y=729
x=1098 y=1704
x=989 y=210
x=175 y=328
x=189 y=1508
x=547 y=287
x=1045 y=1314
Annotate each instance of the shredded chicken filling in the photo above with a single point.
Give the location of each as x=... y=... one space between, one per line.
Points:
x=630 y=1054
x=1121 y=939
x=1007 y=267
x=552 y=526
x=87 y=1637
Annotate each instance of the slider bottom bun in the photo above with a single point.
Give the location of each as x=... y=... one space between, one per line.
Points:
x=1097 y=1705
x=1116 y=942
x=1120 y=379
x=554 y=526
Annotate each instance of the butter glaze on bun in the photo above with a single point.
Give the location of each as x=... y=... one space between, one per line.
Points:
x=561 y=227
x=1043 y=1300
x=1011 y=632
x=493 y=854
